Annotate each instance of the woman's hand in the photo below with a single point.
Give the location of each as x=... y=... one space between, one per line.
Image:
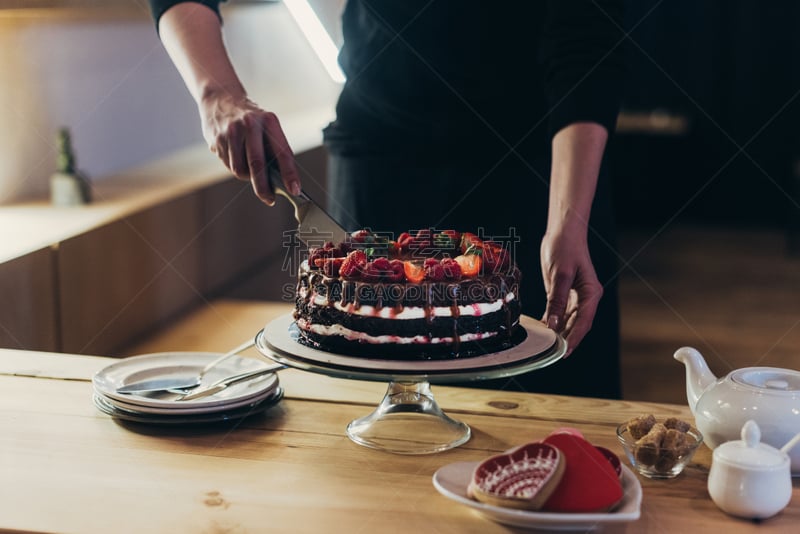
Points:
x=573 y=290
x=248 y=140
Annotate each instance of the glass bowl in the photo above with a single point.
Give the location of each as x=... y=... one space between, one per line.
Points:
x=659 y=462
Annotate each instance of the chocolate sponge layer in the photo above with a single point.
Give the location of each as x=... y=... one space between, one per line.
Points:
x=340 y=345
x=436 y=327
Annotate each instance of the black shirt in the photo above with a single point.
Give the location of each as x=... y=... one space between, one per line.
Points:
x=432 y=74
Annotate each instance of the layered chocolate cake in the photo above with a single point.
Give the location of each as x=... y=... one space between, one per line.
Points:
x=430 y=295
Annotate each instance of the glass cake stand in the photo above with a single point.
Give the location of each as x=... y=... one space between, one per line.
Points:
x=408 y=420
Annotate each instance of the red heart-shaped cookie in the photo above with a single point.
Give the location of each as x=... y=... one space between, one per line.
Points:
x=589 y=484
x=524 y=477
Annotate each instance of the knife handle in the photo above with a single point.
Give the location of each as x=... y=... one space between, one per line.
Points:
x=276 y=183
x=299 y=202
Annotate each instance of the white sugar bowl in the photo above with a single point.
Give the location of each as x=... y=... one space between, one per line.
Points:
x=750 y=479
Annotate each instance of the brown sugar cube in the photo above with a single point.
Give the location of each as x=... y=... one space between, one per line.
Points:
x=640 y=426
x=677 y=424
x=648 y=447
x=673 y=446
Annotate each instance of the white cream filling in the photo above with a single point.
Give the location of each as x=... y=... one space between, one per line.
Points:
x=352 y=335
x=414 y=312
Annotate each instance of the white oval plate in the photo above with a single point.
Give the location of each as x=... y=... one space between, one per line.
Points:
x=452 y=481
x=176 y=365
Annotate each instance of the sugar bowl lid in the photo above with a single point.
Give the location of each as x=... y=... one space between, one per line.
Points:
x=749 y=452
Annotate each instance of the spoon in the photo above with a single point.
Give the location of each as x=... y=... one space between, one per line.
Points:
x=790 y=445
x=181 y=383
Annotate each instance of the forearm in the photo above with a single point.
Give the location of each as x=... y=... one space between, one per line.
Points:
x=192 y=36
x=577 y=156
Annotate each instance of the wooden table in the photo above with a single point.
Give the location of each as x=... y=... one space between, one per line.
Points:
x=66 y=467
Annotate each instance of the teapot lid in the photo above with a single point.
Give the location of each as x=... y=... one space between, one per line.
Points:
x=769 y=379
x=749 y=452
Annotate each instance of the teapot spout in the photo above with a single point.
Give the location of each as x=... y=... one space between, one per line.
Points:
x=698 y=376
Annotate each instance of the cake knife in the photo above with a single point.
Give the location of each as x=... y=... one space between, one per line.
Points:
x=314 y=223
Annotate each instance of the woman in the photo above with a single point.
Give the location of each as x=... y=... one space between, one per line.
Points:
x=457 y=115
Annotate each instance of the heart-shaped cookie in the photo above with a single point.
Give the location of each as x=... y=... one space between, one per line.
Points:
x=524 y=477
x=589 y=484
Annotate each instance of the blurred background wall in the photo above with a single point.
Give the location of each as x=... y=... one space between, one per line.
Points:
x=729 y=69
x=103 y=72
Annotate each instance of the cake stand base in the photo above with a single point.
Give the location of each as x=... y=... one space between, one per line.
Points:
x=408 y=421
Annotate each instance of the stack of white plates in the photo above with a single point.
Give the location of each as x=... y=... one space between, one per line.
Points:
x=234 y=402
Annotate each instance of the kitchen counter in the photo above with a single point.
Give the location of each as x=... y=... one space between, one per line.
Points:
x=67 y=467
x=93 y=279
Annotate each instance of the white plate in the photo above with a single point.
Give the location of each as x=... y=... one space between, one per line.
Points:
x=177 y=365
x=187 y=407
x=452 y=481
x=540 y=347
x=247 y=410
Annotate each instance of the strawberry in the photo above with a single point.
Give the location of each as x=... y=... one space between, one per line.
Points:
x=403 y=241
x=452 y=234
x=414 y=271
x=422 y=240
x=468 y=239
x=353 y=264
x=452 y=270
x=470 y=264
x=446 y=240
x=362 y=236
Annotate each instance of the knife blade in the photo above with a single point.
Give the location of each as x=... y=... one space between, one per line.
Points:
x=314 y=224
x=160 y=384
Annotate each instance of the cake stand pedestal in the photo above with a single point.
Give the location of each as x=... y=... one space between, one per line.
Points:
x=408 y=420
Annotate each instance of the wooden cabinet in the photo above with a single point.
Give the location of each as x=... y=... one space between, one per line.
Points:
x=28 y=305
x=103 y=289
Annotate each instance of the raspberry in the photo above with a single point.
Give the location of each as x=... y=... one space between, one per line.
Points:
x=371 y=273
x=332 y=266
x=344 y=248
x=314 y=254
x=383 y=266
x=430 y=262
x=495 y=260
x=433 y=270
x=353 y=264
x=452 y=270
x=398 y=271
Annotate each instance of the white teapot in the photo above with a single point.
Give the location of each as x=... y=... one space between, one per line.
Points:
x=721 y=406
